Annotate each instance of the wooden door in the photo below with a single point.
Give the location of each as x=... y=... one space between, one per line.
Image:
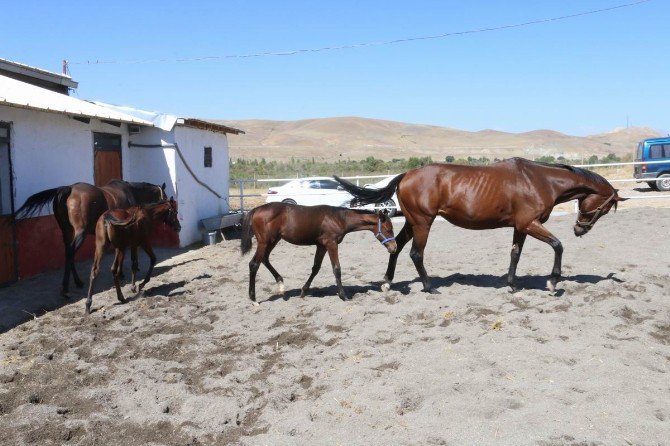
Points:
x=7 y=233
x=107 y=158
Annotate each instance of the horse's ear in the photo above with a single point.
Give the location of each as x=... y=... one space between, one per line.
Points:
x=163 y=186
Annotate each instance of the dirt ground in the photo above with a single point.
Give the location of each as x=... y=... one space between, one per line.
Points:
x=191 y=362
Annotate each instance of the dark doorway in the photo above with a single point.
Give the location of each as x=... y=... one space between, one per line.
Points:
x=7 y=233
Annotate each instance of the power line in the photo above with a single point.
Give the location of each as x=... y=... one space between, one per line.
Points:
x=359 y=45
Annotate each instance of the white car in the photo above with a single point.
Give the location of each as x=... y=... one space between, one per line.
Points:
x=391 y=204
x=310 y=192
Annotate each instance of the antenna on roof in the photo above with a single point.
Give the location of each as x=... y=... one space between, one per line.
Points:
x=66 y=69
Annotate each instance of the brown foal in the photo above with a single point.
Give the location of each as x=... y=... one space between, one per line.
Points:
x=323 y=226
x=129 y=228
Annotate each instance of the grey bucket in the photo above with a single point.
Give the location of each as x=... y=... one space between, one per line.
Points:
x=209 y=238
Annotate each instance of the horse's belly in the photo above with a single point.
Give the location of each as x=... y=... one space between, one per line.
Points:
x=474 y=221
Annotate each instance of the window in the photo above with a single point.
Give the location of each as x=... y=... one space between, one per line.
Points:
x=656 y=151
x=208 y=157
x=328 y=184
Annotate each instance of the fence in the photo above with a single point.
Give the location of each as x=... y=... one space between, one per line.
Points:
x=358 y=179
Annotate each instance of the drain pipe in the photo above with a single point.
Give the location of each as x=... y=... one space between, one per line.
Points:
x=181 y=157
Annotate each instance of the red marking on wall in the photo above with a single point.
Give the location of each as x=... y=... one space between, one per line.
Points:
x=40 y=245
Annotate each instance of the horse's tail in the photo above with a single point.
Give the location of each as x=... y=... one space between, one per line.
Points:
x=364 y=196
x=36 y=202
x=110 y=219
x=247 y=232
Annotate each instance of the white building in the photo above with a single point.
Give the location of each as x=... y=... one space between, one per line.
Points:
x=49 y=139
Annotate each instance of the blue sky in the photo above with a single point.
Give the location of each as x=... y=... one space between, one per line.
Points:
x=580 y=76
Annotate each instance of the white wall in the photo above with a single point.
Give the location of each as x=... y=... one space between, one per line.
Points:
x=51 y=149
x=152 y=165
x=196 y=202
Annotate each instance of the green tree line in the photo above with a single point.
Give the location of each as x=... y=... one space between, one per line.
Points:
x=241 y=168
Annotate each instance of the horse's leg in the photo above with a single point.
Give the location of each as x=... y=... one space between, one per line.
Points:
x=337 y=271
x=254 y=264
x=116 y=271
x=67 y=243
x=77 y=241
x=95 y=268
x=416 y=253
x=318 y=259
x=517 y=247
x=266 y=261
x=404 y=236
x=536 y=230
x=135 y=268
x=152 y=262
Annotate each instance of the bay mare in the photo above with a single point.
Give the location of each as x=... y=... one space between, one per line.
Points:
x=515 y=193
x=323 y=226
x=77 y=208
x=129 y=228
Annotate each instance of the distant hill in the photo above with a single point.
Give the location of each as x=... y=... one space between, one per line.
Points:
x=329 y=139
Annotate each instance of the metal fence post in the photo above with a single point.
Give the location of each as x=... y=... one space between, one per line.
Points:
x=242 y=196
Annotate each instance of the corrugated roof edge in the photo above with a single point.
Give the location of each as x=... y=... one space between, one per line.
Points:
x=210 y=126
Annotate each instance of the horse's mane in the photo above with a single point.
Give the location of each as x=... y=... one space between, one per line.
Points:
x=587 y=174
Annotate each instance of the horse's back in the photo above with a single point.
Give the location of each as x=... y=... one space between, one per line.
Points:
x=299 y=225
x=473 y=197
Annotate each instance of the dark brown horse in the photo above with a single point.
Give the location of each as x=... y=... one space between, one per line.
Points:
x=77 y=208
x=129 y=228
x=323 y=226
x=515 y=193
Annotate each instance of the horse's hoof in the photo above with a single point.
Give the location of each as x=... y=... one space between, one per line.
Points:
x=551 y=286
x=386 y=287
x=88 y=310
x=344 y=297
x=133 y=289
x=430 y=291
x=282 y=288
x=302 y=294
x=254 y=303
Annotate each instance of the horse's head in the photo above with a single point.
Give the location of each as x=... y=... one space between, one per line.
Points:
x=170 y=217
x=148 y=193
x=384 y=232
x=592 y=207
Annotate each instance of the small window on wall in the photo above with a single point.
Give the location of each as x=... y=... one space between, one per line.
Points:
x=208 y=157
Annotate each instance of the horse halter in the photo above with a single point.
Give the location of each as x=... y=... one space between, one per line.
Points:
x=597 y=212
x=385 y=239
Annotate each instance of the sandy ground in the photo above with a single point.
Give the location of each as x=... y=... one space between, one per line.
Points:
x=192 y=362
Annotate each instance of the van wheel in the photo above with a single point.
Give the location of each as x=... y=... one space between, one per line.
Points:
x=652 y=185
x=289 y=201
x=663 y=183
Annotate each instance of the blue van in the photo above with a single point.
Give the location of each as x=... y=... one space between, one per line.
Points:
x=655 y=149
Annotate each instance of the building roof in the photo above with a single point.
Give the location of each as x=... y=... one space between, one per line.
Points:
x=37 y=73
x=15 y=93
x=166 y=121
x=19 y=94
x=207 y=125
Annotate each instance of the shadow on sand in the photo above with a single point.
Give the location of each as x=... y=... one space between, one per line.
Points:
x=38 y=295
x=478 y=280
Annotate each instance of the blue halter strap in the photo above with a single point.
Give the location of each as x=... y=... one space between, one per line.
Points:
x=379 y=232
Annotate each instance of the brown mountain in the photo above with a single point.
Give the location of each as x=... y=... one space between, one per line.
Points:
x=330 y=139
